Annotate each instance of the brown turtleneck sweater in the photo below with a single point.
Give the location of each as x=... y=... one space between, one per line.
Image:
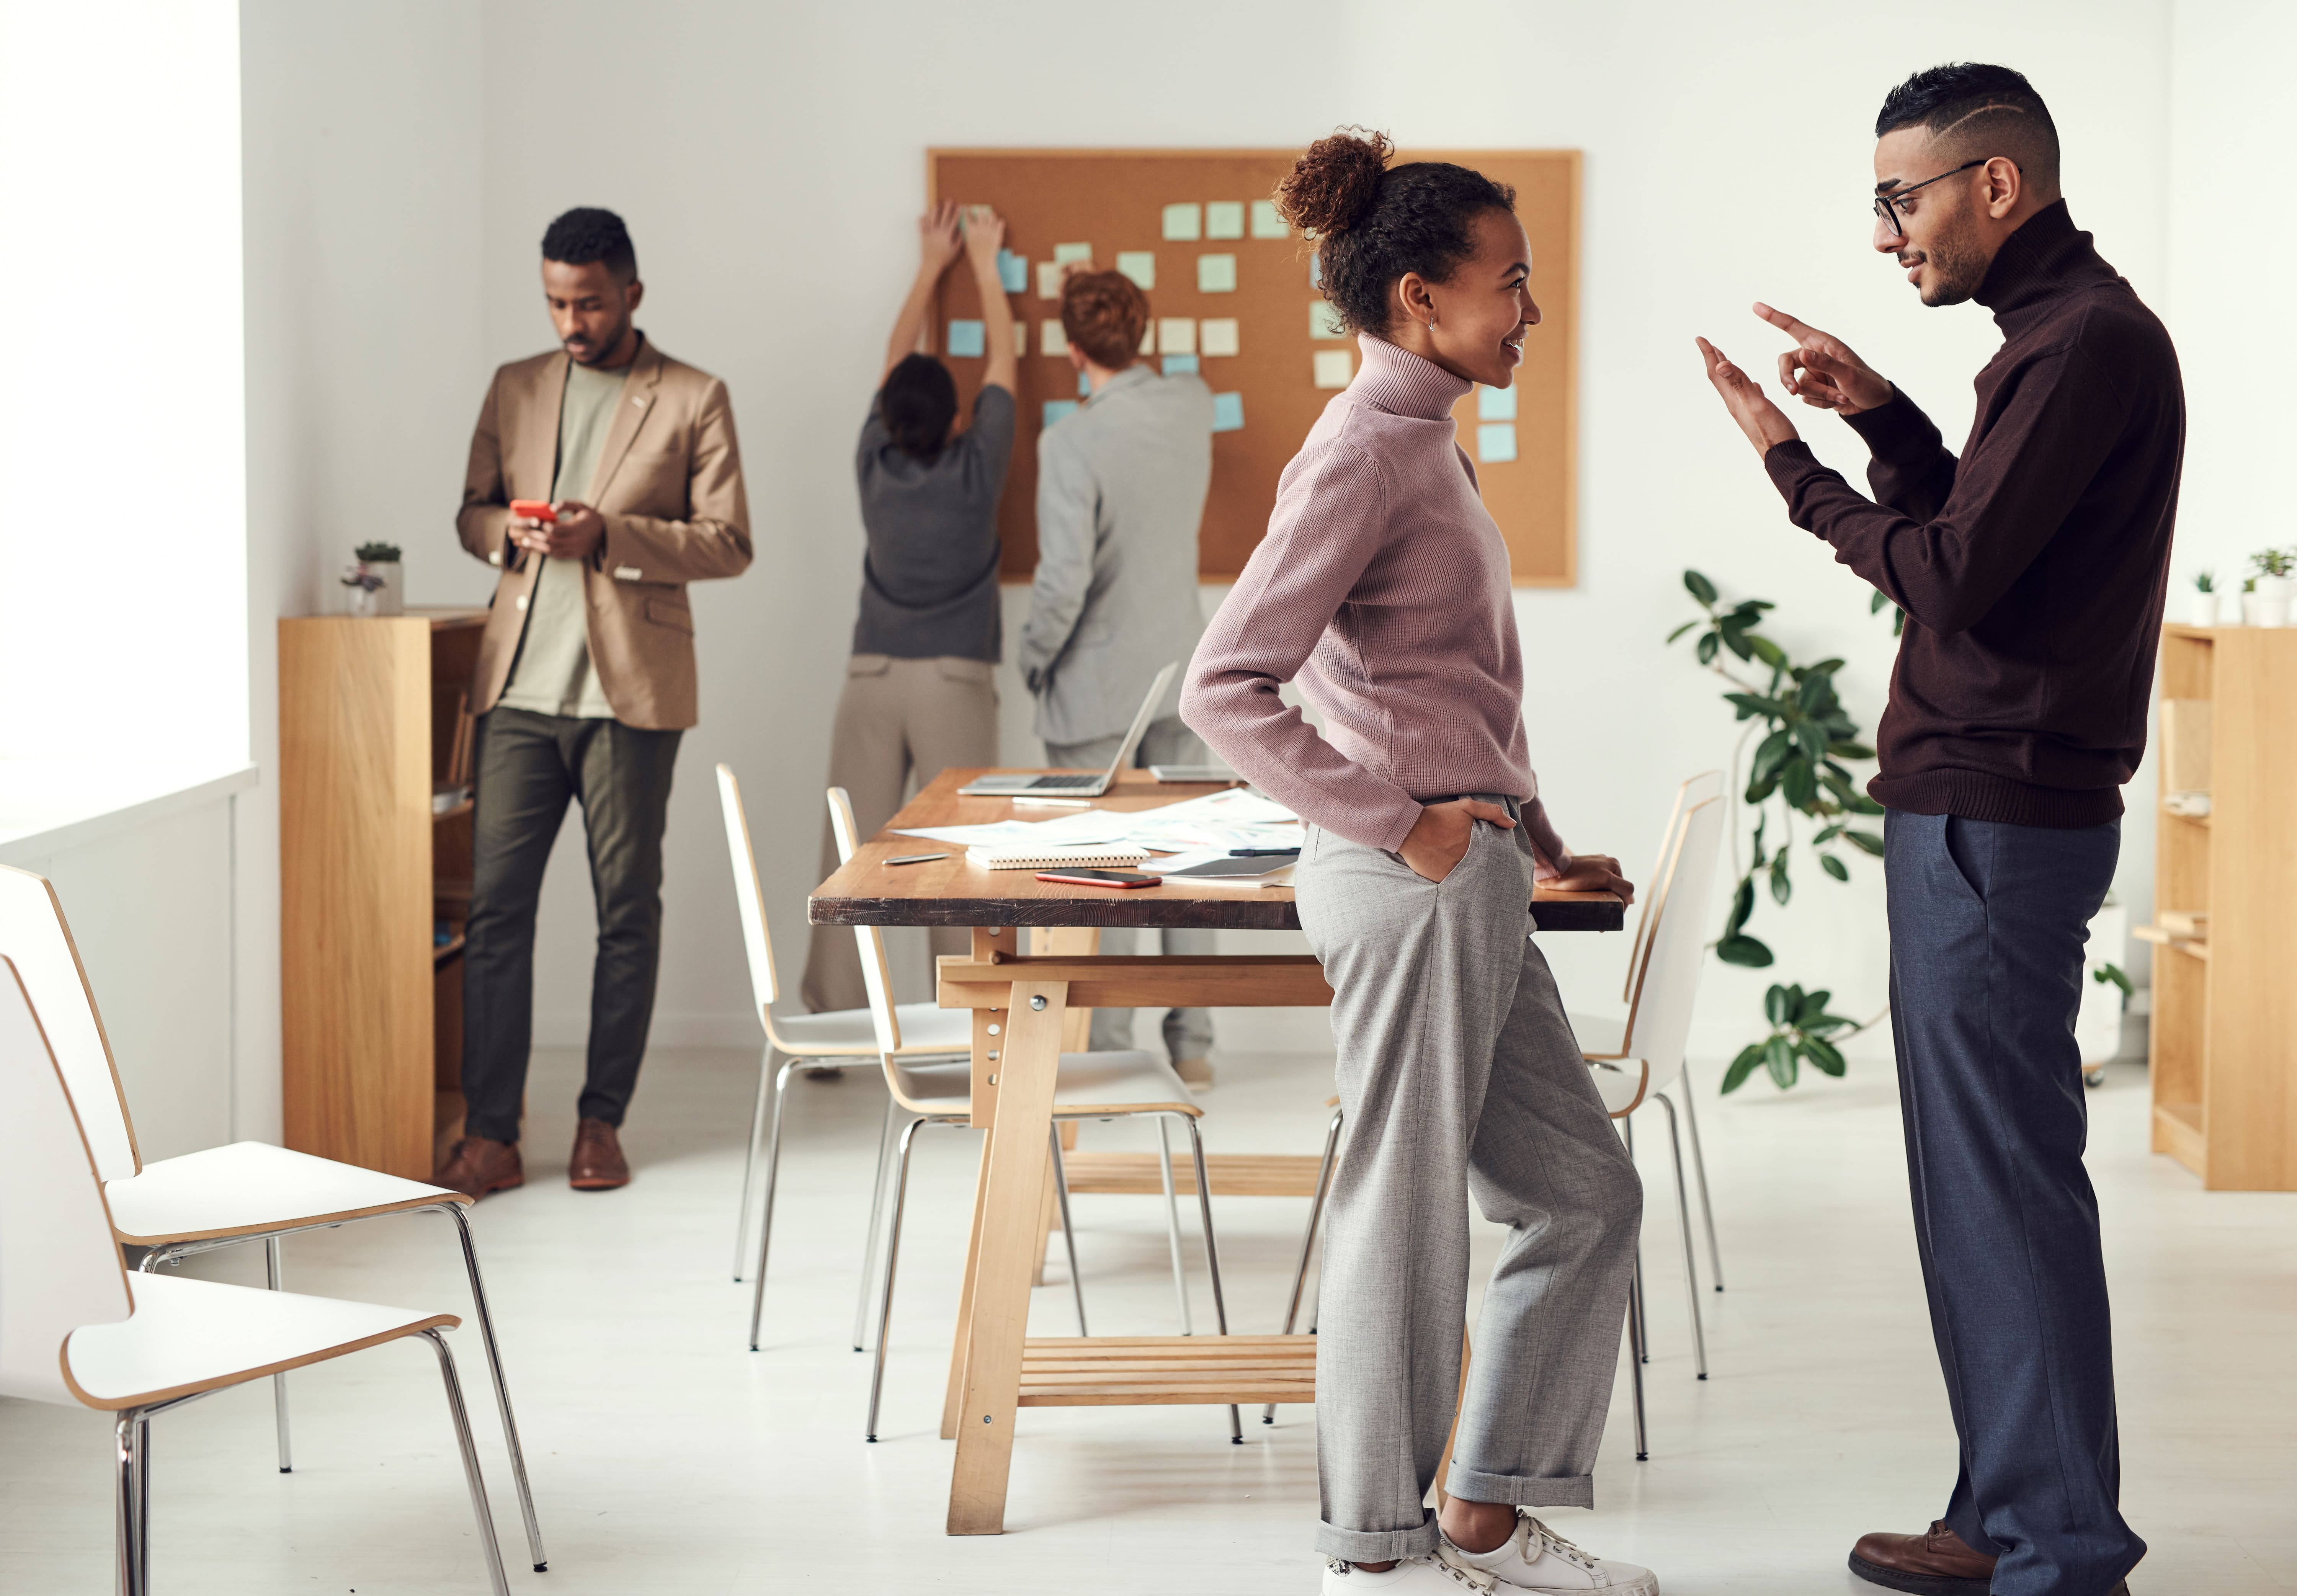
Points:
x=2032 y=569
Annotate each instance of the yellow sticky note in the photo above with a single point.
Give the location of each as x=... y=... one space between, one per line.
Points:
x=1266 y=223
x=1184 y=221
x=1224 y=218
x=1215 y=274
x=1140 y=265
x=1049 y=279
x=1177 y=336
x=1020 y=338
x=1334 y=367
x=1216 y=335
x=1051 y=340
x=1063 y=253
x=1323 y=321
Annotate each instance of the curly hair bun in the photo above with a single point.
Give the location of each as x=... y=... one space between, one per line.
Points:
x=1333 y=186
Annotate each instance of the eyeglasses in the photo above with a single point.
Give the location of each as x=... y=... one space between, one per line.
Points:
x=1885 y=206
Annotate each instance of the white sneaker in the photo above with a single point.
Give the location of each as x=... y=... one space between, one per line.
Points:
x=1535 y=1558
x=1427 y=1576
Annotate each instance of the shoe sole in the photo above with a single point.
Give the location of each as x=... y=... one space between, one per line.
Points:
x=1917 y=1584
x=595 y=1184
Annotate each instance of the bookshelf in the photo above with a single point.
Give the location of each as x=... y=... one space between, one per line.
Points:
x=2225 y=889
x=375 y=862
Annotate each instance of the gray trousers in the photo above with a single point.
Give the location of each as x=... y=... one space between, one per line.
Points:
x=1187 y=1031
x=1458 y=1072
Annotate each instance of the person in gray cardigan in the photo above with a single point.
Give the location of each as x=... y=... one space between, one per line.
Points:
x=1121 y=488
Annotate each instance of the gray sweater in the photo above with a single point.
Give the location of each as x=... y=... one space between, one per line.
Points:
x=929 y=579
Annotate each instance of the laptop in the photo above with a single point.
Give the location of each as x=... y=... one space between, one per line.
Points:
x=1080 y=787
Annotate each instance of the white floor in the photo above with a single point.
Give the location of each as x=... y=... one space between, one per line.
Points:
x=668 y=1458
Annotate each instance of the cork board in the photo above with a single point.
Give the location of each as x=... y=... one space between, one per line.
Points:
x=1115 y=202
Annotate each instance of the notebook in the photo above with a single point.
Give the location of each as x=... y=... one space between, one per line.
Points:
x=1114 y=856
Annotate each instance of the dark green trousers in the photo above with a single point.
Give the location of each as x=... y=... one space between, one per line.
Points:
x=529 y=766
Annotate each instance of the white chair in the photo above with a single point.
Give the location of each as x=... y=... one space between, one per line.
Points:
x=72 y=1333
x=842 y=1039
x=1102 y=1086
x=229 y=1195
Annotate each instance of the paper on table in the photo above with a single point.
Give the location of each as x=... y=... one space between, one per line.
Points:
x=966 y=337
x=1215 y=274
x=1494 y=404
x=1228 y=412
x=1177 y=365
x=1216 y=335
x=1176 y=336
x=1183 y=221
x=1085 y=827
x=1333 y=368
x=1495 y=442
x=1012 y=272
x=1063 y=253
x=1324 y=322
x=1051 y=340
x=1140 y=265
x=1224 y=218
x=1266 y=223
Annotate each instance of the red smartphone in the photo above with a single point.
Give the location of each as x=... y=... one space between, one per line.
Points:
x=534 y=509
x=1099 y=877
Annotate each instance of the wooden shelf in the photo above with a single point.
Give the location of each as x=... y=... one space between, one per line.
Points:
x=1071 y=1371
x=442 y=952
x=1229 y=1174
x=2203 y=821
x=456 y=813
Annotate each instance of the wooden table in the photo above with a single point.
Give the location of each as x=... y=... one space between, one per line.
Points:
x=1028 y=1007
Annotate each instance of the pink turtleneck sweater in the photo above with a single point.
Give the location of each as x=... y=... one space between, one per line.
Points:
x=1382 y=588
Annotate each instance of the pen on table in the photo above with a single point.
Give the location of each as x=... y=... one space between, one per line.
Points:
x=916 y=859
x=1261 y=852
x=1055 y=803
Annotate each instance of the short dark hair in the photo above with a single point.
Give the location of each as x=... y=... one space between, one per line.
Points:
x=1105 y=314
x=917 y=404
x=586 y=234
x=1980 y=111
x=1373 y=223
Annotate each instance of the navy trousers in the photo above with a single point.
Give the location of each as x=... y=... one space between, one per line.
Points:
x=1987 y=921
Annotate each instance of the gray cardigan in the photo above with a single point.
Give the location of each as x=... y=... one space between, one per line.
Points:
x=1121 y=489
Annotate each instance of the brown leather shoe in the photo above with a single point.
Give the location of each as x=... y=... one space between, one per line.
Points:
x=1934 y=1563
x=476 y=1166
x=597 y=1164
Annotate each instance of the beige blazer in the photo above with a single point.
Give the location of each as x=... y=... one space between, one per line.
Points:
x=669 y=484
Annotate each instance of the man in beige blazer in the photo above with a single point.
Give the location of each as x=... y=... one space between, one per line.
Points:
x=586 y=675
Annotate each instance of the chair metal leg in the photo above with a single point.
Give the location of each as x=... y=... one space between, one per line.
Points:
x=278 y=1381
x=1698 y=1164
x=750 y=1162
x=502 y=1386
x=1212 y=1255
x=893 y=1264
x=471 y=1475
x=127 y=1540
x=1689 y=1258
x=1635 y=1360
x=1068 y=1230
x=877 y=1220
x=1308 y=1241
x=1173 y=1225
x=1635 y=1291
x=766 y=1218
x=143 y=1502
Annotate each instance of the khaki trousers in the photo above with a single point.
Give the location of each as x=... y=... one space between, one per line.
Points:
x=900 y=723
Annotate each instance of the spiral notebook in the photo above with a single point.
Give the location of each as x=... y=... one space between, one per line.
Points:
x=1115 y=856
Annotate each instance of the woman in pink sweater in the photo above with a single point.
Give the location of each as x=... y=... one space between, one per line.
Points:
x=1382 y=589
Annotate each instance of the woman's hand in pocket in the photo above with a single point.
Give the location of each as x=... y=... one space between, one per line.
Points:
x=1438 y=840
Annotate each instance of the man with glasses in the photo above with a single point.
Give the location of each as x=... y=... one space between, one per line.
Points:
x=2031 y=572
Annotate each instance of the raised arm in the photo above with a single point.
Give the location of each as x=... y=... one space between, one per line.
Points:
x=937 y=246
x=984 y=237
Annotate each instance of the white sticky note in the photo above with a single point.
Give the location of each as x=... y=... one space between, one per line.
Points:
x=1266 y=223
x=1184 y=221
x=1495 y=443
x=1215 y=274
x=1323 y=321
x=1049 y=279
x=1020 y=338
x=1334 y=368
x=1224 y=218
x=1140 y=265
x=1063 y=253
x=1216 y=335
x=1051 y=340
x=1177 y=336
x=1315 y=271
x=1494 y=404
x=1149 y=338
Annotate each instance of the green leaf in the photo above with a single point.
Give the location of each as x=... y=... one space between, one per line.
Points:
x=1824 y=668
x=1835 y=866
x=1701 y=588
x=1707 y=649
x=1734 y=639
x=1769 y=652
x=1756 y=791
x=1772 y=750
x=1800 y=782
x=1844 y=748
x=1775 y=1007
x=1874 y=605
x=1742 y=950
x=1750 y=704
x=1858 y=803
x=1779 y=1058
x=2112 y=974
x=1866 y=839
x=1811 y=737
x=1743 y=1066
x=1679 y=630
x=1821 y=1055
x=1742 y=904
x=1782 y=889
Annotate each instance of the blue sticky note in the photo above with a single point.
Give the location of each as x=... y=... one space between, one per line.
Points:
x=1085 y=386
x=1059 y=409
x=1495 y=442
x=1494 y=404
x=1315 y=271
x=1013 y=272
x=967 y=337
x=1177 y=365
x=1228 y=412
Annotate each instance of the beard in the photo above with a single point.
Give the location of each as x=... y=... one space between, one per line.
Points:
x=1957 y=264
x=590 y=354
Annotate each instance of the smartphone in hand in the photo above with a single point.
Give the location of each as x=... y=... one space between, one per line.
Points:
x=534 y=509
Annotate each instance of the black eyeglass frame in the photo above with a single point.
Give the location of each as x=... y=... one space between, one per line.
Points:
x=1889 y=211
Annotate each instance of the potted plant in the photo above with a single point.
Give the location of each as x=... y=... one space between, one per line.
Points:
x=2267 y=600
x=2204 y=610
x=373 y=585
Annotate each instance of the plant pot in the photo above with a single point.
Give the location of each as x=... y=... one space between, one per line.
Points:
x=2204 y=609
x=374 y=588
x=2258 y=609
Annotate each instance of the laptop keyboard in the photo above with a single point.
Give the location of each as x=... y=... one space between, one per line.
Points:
x=1065 y=781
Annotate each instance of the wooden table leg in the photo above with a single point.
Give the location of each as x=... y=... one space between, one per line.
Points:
x=999 y=1320
x=956 y=1393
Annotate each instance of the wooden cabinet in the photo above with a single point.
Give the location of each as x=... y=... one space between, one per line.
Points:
x=2224 y=891
x=375 y=867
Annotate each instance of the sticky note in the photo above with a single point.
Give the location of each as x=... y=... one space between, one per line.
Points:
x=1216 y=335
x=1013 y=272
x=1494 y=404
x=1183 y=221
x=1266 y=223
x=1140 y=265
x=1056 y=409
x=1177 y=365
x=1224 y=218
x=1049 y=279
x=1020 y=338
x=1051 y=340
x=1495 y=441
x=965 y=338
x=1228 y=412
x=1149 y=338
x=1176 y=336
x=1063 y=253
x=1334 y=367
x=1315 y=271
x=1215 y=274
x=1085 y=386
x=1323 y=321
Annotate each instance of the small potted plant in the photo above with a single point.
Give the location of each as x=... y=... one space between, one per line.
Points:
x=2204 y=610
x=2267 y=603
x=373 y=585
